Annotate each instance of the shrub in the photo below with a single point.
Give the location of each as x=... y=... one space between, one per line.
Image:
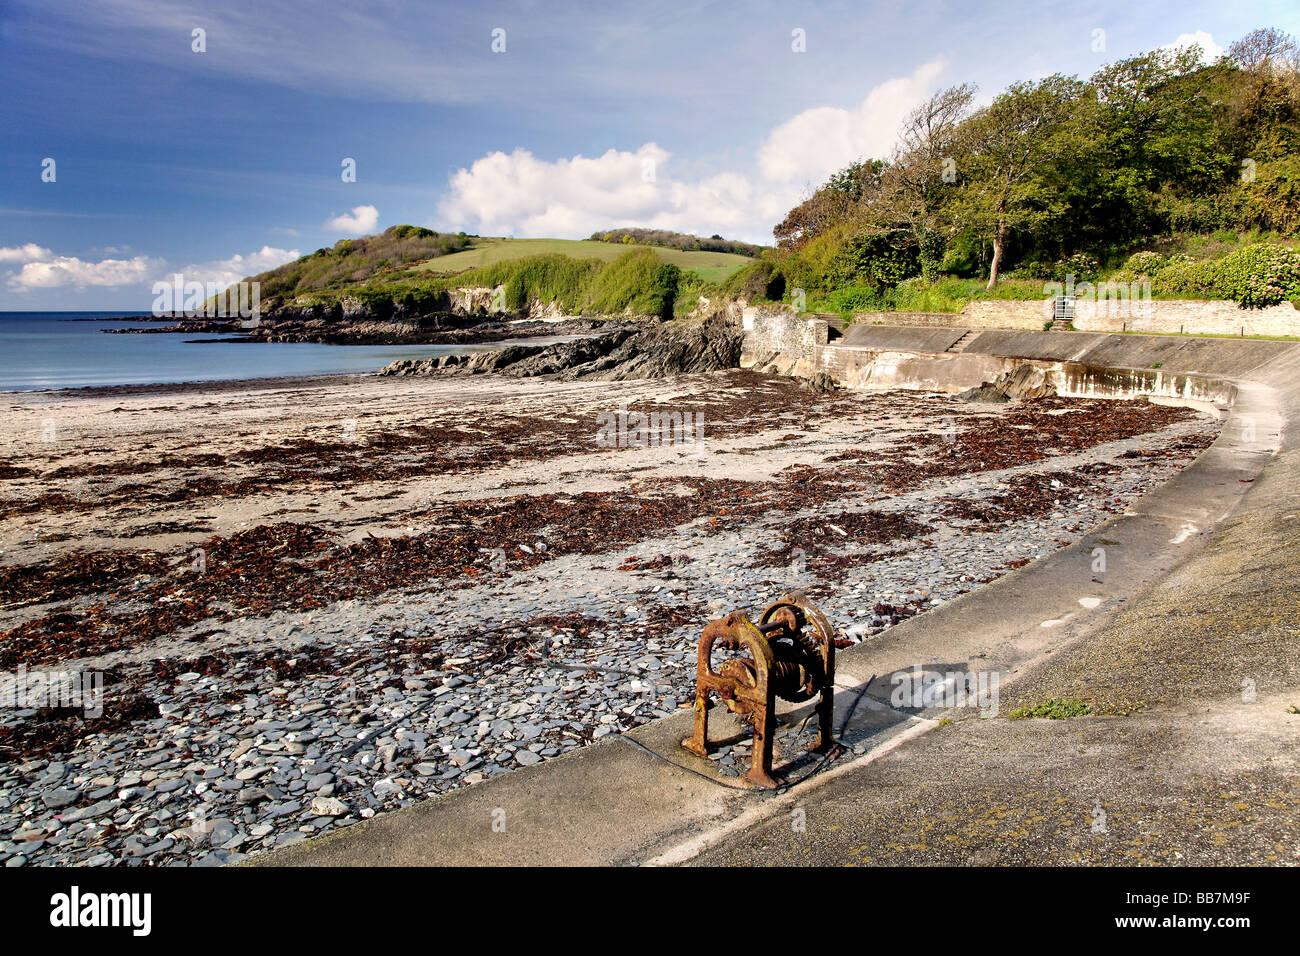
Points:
x=1255 y=277
x=1261 y=275
x=761 y=280
x=1145 y=263
x=1080 y=265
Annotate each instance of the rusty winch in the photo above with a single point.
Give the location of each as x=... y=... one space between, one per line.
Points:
x=792 y=656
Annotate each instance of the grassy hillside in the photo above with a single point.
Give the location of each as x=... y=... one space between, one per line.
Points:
x=712 y=267
x=636 y=283
x=351 y=261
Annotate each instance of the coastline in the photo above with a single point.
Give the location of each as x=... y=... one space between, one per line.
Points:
x=213 y=385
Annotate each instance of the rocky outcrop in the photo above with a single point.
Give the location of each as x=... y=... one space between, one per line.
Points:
x=1023 y=381
x=442 y=329
x=626 y=353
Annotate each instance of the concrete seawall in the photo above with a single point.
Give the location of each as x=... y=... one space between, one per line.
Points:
x=612 y=803
x=1079 y=364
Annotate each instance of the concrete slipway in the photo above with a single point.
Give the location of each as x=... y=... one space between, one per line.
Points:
x=1180 y=765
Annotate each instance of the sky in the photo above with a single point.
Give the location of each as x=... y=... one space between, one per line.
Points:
x=148 y=138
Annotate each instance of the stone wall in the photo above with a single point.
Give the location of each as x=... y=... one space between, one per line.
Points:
x=941 y=320
x=1157 y=316
x=774 y=329
x=1107 y=314
x=1028 y=314
x=1179 y=316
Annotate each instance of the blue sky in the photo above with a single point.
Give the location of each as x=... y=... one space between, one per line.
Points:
x=693 y=116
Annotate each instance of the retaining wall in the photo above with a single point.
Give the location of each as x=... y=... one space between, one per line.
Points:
x=1079 y=364
x=1108 y=312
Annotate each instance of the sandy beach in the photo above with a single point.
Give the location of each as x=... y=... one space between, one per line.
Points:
x=311 y=600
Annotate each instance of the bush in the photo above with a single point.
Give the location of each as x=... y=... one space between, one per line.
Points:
x=1254 y=277
x=878 y=258
x=1273 y=199
x=856 y=298
x=761 y=280
x=1145 y=263
x=1261 y=275
x=1082 y=266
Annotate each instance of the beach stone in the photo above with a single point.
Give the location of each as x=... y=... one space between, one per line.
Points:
x=328 y=807
x=57 y=799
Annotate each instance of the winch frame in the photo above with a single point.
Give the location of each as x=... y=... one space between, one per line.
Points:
x=792 y=650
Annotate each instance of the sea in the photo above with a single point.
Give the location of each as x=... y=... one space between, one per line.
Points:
x=44 y=350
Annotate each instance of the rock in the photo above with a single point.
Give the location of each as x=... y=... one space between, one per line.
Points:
x=633 y=352
x=86 y=813
x=328 y=807
x=987 y=392
x=57 y=799
x=527 y=758
x=820 y=382
x=1023 y=381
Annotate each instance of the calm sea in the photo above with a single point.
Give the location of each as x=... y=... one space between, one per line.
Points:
x=46 y=350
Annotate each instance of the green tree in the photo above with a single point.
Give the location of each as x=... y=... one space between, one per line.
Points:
x=922 y=174
x=1012 y=148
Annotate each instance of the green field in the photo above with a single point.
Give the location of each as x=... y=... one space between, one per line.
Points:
x=711 y=266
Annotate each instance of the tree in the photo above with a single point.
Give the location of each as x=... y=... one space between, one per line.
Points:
x=922 y=171
x=1012 y=146
x=1159 y=129
x=1266 y=50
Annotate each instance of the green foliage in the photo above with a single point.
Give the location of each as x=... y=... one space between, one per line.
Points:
x=1064 y=176
x=760 y=281
x=878 y=258
x=1272 y=199
x=1058 y=708
x=677 y=240
x=352 y=261
x=1256 y=276
x=635 y=283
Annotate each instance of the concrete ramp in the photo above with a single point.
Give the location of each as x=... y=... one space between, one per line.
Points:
x=897 y=338
x=1226 y=358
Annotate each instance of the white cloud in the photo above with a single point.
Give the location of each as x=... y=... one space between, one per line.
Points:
x=812 y=145
x=229 y=271
x=521 y=195
x=44 y=270
x=53 y=272
x=361 y=221
x=518 y=194
x=29 y=252
x=1210 y=51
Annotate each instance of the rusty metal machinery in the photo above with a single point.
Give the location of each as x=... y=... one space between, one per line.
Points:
x=792 y=656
